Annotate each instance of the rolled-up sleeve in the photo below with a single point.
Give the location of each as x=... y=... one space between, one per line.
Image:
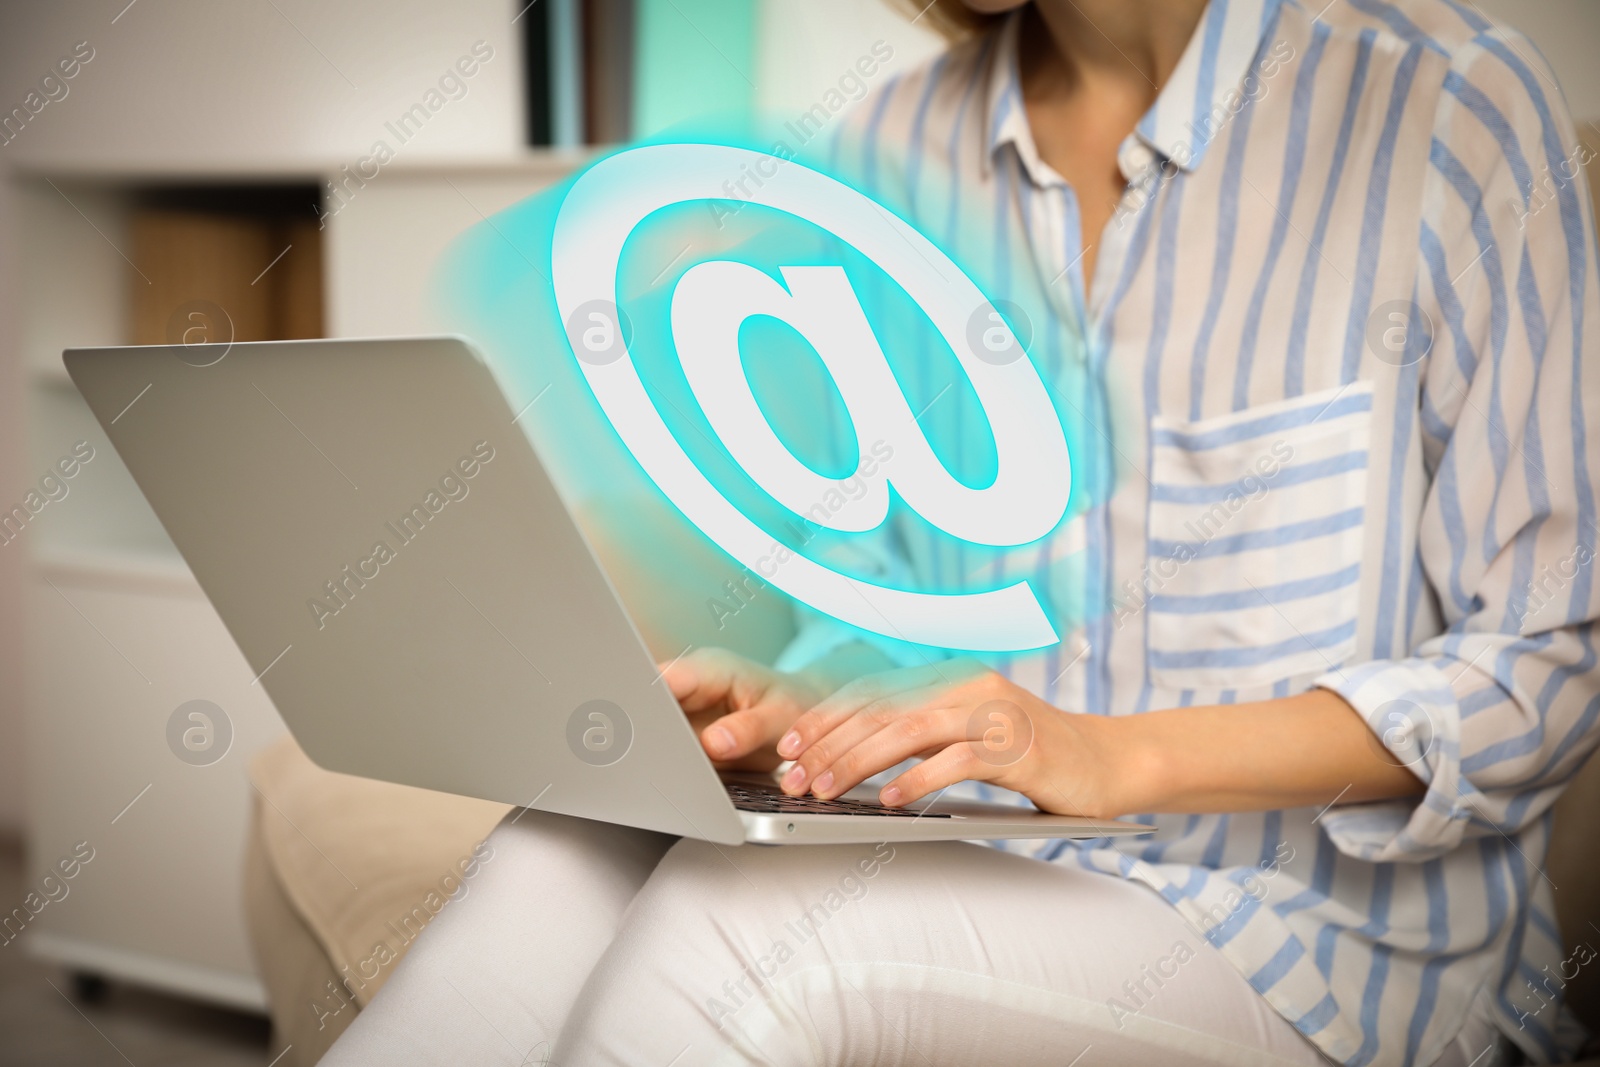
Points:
x=1497 y=712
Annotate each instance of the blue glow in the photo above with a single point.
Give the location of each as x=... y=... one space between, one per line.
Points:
x=496 y=286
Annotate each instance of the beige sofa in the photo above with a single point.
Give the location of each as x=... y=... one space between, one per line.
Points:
x=341 y=874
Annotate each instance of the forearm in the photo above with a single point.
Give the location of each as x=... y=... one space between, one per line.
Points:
x=1296 y=751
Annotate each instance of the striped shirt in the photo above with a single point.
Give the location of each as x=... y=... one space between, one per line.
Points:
x=1329 y=428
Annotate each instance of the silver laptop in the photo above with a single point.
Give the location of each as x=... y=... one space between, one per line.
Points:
x=389 y=553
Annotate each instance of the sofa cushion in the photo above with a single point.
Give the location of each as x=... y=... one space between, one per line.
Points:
x=365 y=864
x=291 y=961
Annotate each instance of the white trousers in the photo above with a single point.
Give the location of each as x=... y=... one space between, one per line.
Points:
x=583 y=944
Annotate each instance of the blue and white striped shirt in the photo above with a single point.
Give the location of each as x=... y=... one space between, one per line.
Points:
x=1331 y=426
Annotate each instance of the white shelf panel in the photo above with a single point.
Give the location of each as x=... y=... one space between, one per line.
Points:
x=383 y=247
x=74 y=281
x=103 y=510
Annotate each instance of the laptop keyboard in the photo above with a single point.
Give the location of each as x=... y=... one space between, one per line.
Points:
x=746 y=798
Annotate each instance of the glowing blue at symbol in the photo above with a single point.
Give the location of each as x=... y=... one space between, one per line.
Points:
x=1024 y=502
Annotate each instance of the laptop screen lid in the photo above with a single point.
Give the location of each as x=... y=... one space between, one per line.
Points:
x=388 y=552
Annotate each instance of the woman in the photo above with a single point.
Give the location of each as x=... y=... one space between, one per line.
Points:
x=1333 y=278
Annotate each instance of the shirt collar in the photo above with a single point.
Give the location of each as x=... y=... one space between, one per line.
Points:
x=1007 y=118
x=1191 y=110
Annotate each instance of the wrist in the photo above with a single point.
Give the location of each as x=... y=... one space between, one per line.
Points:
x=1138 y=772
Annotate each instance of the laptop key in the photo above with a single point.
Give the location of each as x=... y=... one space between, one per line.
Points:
x=747 y=798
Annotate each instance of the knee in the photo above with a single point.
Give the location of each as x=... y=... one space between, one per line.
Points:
x=695 y=949
x=540 y=844
x=722 y=936
x=745 y=898
x=695 y=882
x=705 y=902
x=692 y=864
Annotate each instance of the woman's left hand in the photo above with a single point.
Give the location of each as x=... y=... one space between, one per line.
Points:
x=967 y=722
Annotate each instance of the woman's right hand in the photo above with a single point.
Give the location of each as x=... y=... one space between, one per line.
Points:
x=740 y=708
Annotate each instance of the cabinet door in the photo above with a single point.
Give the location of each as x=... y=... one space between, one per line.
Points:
x=116 y=650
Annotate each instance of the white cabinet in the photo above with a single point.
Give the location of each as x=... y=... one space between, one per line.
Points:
x=116 y=646
x=119 y=635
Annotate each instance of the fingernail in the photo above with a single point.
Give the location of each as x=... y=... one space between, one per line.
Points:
x=823 y=784
x=891 y=796
x=720 y=739
x=789 y=747
x=794 y=779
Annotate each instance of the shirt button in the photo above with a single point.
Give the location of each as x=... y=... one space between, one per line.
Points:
x=1135 y=158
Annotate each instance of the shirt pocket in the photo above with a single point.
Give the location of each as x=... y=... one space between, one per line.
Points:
x=1255 y=541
